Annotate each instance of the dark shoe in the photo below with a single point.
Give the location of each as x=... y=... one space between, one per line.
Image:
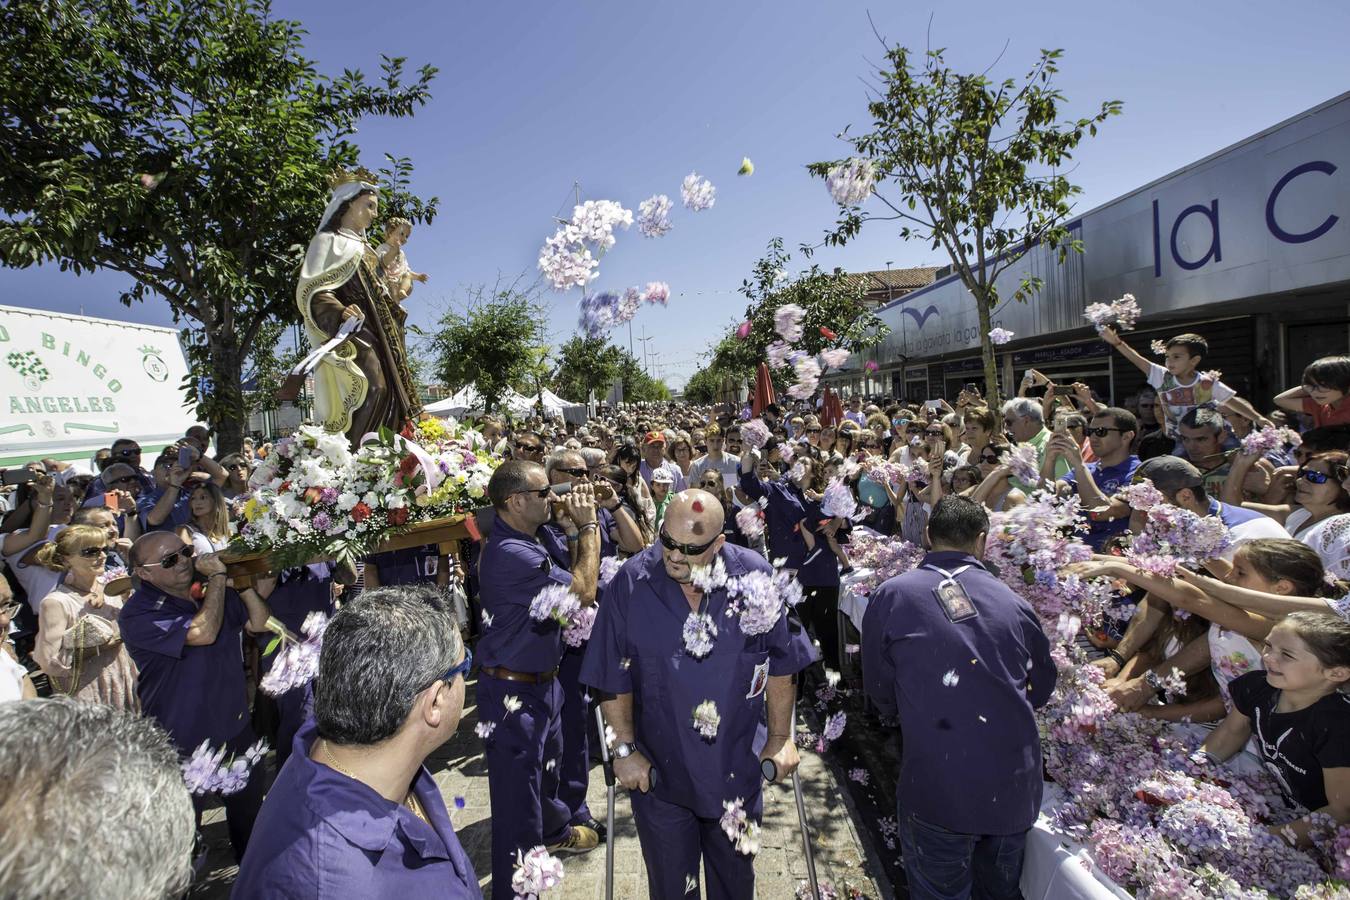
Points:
x=581 y=840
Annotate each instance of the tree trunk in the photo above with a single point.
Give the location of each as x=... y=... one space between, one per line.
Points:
x=225 y=410
x=992 y=393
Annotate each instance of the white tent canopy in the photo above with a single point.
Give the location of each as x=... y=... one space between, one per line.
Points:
x=467 y=401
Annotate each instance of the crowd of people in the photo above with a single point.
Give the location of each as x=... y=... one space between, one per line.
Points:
x=115 y=597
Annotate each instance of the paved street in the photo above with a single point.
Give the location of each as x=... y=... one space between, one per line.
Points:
x=461 y=771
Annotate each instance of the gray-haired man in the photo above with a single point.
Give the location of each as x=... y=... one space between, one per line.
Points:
x=354 y=812
x=93 y=804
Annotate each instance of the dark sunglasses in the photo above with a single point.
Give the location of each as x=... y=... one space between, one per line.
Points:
x=541 y=493
x=529 y=448
x=1313 y=476
x=575 y=473
x=813 y=431
x=687 y=549
x=94 y=552
x=125 y=479
x=938 y=433
x=171 y=560
x=1099 y=431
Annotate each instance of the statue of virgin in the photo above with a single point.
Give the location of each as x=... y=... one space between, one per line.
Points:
x=364 y=382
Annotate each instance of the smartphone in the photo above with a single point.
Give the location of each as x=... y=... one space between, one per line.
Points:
x=731 y=479
x=19 y=476
x=111 y=502
x=1062 y=390
x=185 y=459
x=970 y=388
x=933 y=404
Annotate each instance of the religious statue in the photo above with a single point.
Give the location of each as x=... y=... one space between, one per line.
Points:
x=398 y=277
x=363 y=381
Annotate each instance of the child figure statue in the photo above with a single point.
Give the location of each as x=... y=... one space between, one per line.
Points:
x=394 y=263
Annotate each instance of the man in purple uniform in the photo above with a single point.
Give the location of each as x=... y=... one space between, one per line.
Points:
x=519 y=696
x=354 y=812
x=191 y=660
x=963 y=661
x=639 y=655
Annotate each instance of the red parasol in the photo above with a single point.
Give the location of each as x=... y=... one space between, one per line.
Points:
x=763 y=391
x=831 y=409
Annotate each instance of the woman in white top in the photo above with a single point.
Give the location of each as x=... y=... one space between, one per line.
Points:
x=1319 y=515
x=209 y=528
x=14 y=681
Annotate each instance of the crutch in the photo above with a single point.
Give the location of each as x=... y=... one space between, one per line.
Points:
x=769 y=769
x=608 y=765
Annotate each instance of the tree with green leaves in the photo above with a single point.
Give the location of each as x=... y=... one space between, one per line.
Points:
x=638 y=386
x=704 y=386
x=491 y=342
x=837 y=315
x=972 y=167
x=586 y=364
x=186 y=145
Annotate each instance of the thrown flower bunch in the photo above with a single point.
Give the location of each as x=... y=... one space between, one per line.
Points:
x=1024 y=462
x=1000 y=336
x=314 y=497
x=1119 y=314
x=207 y=772
x=851 y=181
x=750 y=519
x=298 y=662
x=1029 y=545
x=877 y=558
x=739 y=829
x=1261 y=441
x=566 y=259
x=537 y=876
x=1173 y=536
x=784 y=354
x=557 y=602
x=606 y=310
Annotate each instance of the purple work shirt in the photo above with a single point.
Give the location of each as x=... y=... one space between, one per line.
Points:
x=322 y=834
x=965 y=693
x=179 y=514
x=512 y=569
x=637 y=647
x=787 y=512
x=196 y=693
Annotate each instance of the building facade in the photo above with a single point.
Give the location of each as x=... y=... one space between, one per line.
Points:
x=1249 y=247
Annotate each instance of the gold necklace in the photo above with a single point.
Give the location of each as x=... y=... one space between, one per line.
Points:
x=411 y=802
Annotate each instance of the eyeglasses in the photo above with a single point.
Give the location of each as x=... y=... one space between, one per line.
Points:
x=10 y=609
x=813 y=431
x=95 y=552
x=575 y=473
x=460 y=668
x=687 y=549
x=541 y=493
x=1099 y=431
x=934 y=433
x=171 y=560
x=1313 y=476
x=529 y=448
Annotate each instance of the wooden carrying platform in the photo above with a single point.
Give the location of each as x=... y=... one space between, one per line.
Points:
x=245 y=568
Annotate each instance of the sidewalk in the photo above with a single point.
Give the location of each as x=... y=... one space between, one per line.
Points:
x=461 y=771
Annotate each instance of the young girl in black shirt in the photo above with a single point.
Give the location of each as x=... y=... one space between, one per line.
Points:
x=1299 y=714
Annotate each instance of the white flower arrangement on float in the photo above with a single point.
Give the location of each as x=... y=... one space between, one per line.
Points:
x=314 y=497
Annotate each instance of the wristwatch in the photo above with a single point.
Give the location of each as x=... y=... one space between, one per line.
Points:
x=623 y=751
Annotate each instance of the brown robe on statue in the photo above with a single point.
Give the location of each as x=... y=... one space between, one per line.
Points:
x=391 y=397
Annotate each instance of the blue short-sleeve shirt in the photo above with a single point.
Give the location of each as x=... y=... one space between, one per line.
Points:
x=322 y=834
x=196 y=693
x=512 y=568
x=637 y=647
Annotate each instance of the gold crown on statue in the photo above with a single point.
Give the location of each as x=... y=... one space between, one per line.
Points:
x=342 y=176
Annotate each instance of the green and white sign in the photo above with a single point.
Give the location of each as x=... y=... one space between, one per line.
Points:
x=72 y=384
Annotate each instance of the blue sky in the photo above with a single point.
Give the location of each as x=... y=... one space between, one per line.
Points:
x=626 y=98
